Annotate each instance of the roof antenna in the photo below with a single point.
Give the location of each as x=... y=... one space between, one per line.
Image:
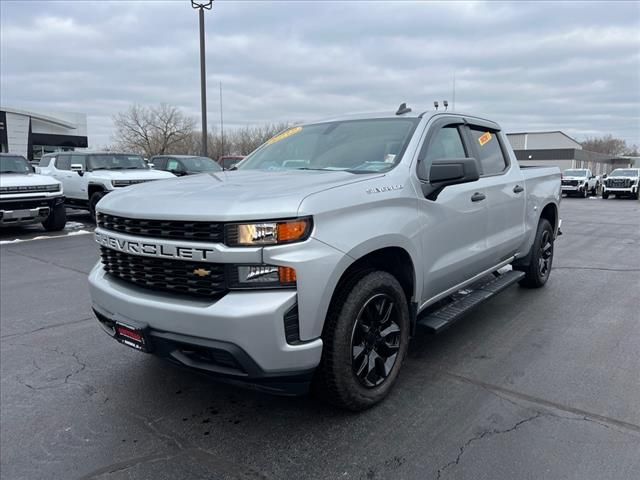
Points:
x=446 y=105
x=402 y=109
x=435 y=104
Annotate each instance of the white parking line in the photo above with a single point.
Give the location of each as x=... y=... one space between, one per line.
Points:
x=45 y=237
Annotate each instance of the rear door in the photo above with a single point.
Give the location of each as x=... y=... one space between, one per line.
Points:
x=504 y=187
x=455 y=224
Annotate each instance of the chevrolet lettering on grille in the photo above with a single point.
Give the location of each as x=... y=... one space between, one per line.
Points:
x=147 y=248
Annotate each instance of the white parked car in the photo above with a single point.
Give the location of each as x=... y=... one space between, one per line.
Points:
x=580 y=181
x=27 y=198
x=87 y=177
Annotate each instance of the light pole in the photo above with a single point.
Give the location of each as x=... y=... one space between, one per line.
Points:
x=203 y=5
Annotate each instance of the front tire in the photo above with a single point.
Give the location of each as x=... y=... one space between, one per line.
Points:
x=541 y=257
x=605 y=195
x=56 y=220
x=93 y=201
x=585 y=191
x=366 y=337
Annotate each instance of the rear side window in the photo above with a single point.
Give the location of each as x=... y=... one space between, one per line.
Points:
x=45 y=161
x=446 y=143
x=489 y=151
x=63 y=162
x=159 y=163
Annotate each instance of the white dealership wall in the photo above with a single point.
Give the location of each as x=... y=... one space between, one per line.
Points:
x=56 y=129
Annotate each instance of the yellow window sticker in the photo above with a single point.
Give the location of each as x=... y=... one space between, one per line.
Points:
x=484 y=139
x=283 y=135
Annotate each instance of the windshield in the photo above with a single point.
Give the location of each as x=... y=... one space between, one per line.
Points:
x=14 y=164
x=200 y=164
x=116 y=161
x=357 y=146
x=575 y=173
x=624 y=173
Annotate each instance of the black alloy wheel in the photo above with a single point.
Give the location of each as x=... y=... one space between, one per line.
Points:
x=375 y=340
x=546 y=254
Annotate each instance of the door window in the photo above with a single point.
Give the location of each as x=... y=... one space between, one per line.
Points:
x=173 y=165
x=63 y=162
x=446 y=143
x=490 y=154
x=159 y=163
x=79 y=160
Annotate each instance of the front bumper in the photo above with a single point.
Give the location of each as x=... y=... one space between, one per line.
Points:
x=248 y=326
x=24 y=211
x=572 y=188
x=619 y=190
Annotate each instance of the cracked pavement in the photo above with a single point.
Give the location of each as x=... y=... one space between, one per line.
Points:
x=532 y=384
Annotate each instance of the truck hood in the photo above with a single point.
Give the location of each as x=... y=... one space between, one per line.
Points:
x=225 y=196
x=24 y=180
x=131 y=174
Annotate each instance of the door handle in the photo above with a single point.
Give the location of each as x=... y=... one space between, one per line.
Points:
x=518 y=189
x=478 y=197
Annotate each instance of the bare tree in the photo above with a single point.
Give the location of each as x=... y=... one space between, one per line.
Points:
x=152 y=130
x=607 y=144
x=166 y=130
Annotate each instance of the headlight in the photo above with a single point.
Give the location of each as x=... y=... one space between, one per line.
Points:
x=268 y=233
x=260 y=276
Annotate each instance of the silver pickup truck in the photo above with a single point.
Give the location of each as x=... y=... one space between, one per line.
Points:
x=316 y=260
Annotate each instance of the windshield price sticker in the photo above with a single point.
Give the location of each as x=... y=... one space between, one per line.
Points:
x=283 y=135
x=484 y=139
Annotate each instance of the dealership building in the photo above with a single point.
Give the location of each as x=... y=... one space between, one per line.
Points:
x=32 y=134
x=556 y=148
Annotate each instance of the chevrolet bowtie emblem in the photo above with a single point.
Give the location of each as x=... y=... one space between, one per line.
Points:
x=201 y=272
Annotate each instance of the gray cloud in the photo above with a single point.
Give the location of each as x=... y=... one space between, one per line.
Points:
x=573 y=66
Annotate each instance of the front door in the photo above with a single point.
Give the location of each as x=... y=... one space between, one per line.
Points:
x=454 y=234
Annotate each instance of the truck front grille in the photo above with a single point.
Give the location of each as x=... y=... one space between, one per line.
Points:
x=172 y=229
x=25 y=204
x=570 y=183
x=618 y=182
x=195 y=279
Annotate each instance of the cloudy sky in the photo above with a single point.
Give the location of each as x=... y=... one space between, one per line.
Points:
x=572 y=66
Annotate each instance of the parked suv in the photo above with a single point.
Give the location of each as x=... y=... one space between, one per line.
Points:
x=580 y=181
x=87 y=177
x=181 y=165
x=227 y=162
x=27 y=198
x=320 y=256
x=622 y=182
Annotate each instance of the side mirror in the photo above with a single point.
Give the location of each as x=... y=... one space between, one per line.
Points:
x=449 y=171
x=150 y=165
x=77 y=167
x=592 y=177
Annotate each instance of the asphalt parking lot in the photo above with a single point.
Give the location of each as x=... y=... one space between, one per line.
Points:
x=533 y=384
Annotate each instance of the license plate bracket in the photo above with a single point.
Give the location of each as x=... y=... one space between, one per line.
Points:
x=133 y=337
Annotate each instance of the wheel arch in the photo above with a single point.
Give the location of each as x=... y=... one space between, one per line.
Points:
x=94 y=188
x=393 y=259
x=550 y=213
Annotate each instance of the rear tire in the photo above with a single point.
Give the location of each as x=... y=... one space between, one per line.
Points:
x=366 y=337
x=93 y=201
x=541 y=257
x=56 y=220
